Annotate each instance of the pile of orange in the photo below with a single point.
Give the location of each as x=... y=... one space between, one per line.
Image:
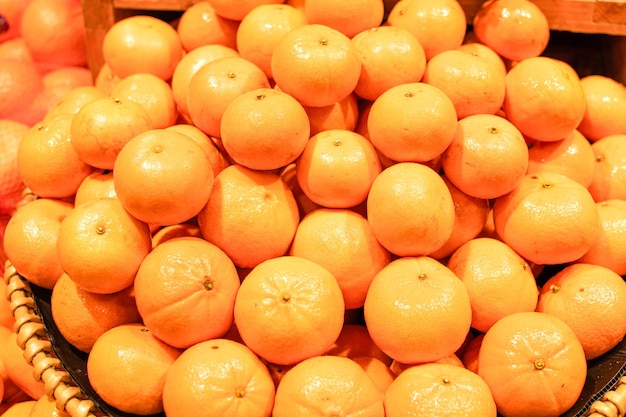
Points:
x=330 y=208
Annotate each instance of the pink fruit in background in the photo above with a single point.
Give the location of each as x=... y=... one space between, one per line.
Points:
x=11 y=185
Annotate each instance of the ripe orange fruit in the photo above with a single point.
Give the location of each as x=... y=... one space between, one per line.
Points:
x=185 y=290
x=589 y=298
x=437 y=25
x=487 y=157
x=141 y=362
x=470 y=216
x=478 y=49
x=548 y=219
x=82 y=316
x=47 y=407
x=142 y=43
x=412 y=122
x=261 y=29
x=20 y=408
x=20 y=83
x=337 y=167
x=98 y=184
x=608 y=250
x=217 y=158
x=474 y=84
x=30 y=240
x=343 y=242
x=572 y=156
x=449 y=389
x=515 y=29
x=410 y=209
x=105 y=79
x=19 y=369
x=237 y=11
x=498 y=280
x=471 y=352
x=343 y=114
x=200 y=25
x=377 y=370
x=100 y=245
x=215 y=85
x=264 y=129
x=74 y=100
x=316 y=64
x=606 y=103
x=610 y=171
x=544 y=98
x=166 y=233
x=102 y=127
x=251 y=215
x=533 y=365
x=390 y=55
x=14 y=49
x=153 y=94
x=11 y=183
x=304 y=203
x=288 y=309
x=220 y=377
x=417 y=310
x=163 y=177
x=54 y=32
x=349 y=17
x=335 y=384
x=190 y=63
x=355 y=341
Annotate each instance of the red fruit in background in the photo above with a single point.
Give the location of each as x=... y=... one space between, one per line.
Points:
x=11 y=185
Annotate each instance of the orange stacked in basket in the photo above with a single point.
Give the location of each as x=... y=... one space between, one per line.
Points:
x=329 y=207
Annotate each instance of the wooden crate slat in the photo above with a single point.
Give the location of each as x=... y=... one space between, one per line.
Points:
x=154 y=4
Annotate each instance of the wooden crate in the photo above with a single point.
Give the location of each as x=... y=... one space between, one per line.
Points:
x=590 y=32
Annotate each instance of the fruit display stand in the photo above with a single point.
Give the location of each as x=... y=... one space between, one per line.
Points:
x=589 y=34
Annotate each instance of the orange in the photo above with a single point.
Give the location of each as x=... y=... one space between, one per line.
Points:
x=572 y=156
x=142 y=43
x=185 y=290
x=473 y=83
x=548 y=219
x=485 y=52
x=237 y=11
x=12 y=12
x=362 y=129
x=398 y=367
x=410 y=209
x=166 y=233
x=327 y=385
x=103 y=126
x=264 y=129
x=316 y=64
x=589 y=298
x=220 y=377
x=261 y=29
x=347 y=16
x=15 y=49
x=470 y=216
x=355 y=341
x=11 y=184
x=30 y=240
x=288 y=309
x=610 y=171
x=608 y=249
x=105 y=79
x=439 y=389
x=343 y=114
x=11 y=392
x=100 y=245
x=20 y=83
x=533 y=365
x=472 y=350
x=606 y=105
x=19 y=409
x=515 y=29
x=342 y=241
x=98 y=184
x=498 y=280
x=140 y=361
x=487 y=157
x=54 y=32
x=377 y=370
x=215 y=85
x=190 y=63
x=251 y=215
x=337 y=168
x=46 y=407
x=153 y=94
x=544 y=98
x=74 y=100
x=82 y=316
x=163 y=177
x=412 y=122
x=218 y=159
x=417 y=310
x=200 y=25
x=437 y=25
x=21 y=372
x=390 y=55
x=47 y=160
x=304 y=203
